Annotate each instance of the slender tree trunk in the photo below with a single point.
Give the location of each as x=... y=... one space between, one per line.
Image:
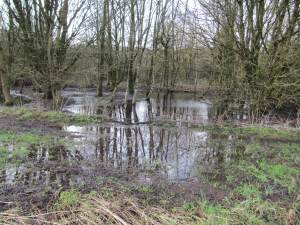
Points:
x=131 y=74
x=112 y=75
x=7 y=58
x=101 y=47
x=8 y=100
x=166 y=67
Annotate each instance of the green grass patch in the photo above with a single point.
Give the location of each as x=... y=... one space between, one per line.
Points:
x=9 y=137
x=248 y=191
x=16 y=146
x=68 y=200
x=252 y=210
x=49 y=116
x=259 y=132
x=288 y=153
x=282 y=174
x=265 y=171
x=262 y=187
x=146 y=189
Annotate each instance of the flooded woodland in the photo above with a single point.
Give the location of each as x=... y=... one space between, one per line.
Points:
x=149 y=112
x=164 y=150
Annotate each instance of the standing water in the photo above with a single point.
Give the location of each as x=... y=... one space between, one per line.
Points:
x=150 y=135
x=152 y=138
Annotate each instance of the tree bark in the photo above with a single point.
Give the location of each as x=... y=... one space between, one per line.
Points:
x=131 y=74
x=8 y=100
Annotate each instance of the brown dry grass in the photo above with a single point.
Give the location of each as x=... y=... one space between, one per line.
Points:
x=93 y=210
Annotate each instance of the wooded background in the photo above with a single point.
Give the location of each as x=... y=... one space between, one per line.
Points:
x=248 y=51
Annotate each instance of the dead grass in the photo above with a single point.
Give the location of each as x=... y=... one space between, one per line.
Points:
x=122 y=209
x=95 y=209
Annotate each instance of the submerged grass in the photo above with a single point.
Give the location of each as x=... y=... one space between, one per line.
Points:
x=16 y=146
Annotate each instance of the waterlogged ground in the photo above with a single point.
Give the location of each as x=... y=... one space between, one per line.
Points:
x=153 y=135
x=164 y=150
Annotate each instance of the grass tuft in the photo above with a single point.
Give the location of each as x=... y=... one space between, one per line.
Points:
x=68 y=200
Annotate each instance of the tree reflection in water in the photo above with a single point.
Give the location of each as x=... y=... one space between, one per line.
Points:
x=141 y=140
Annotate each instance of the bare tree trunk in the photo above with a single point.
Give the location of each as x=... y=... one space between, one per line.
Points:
x=8 y=100
x=112 y=75
x=101 y=46
x=6 y=57
x=151 y=76
x=131 y=74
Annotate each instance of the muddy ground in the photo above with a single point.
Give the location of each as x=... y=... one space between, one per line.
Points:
x=29 y=195
x=12 y=123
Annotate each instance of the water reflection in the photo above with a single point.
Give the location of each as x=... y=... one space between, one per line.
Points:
x=167 y=150
x=167 y=153
x=45 y=165
x=29 y=176
x=136 y=143
x=131 y=144
x=162 y=106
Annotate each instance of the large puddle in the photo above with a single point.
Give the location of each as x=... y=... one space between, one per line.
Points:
x=142 y=137
x=149 y=139
x=180 y=107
